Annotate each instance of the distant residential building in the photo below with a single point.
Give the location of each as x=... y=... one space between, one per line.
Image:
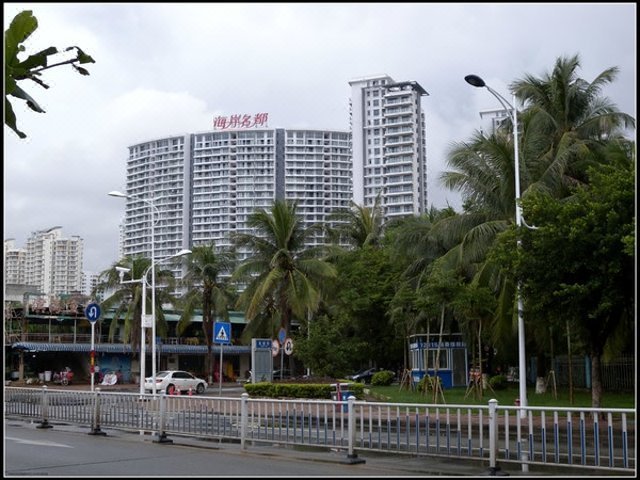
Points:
x=493 y=119
x=389 y=151
x=14 y=263
x=53 y=263
x=89 y=281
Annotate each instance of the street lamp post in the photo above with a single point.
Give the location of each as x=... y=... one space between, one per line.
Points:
x=143 y=342
x=153 y=308
x=153 y=209
x=476 y=81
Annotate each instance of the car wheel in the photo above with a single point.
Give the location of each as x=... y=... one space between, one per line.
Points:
x=200 y=388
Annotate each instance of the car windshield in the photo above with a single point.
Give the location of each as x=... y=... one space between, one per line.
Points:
x=161 y=374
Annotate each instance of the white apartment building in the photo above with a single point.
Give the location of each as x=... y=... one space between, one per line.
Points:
x=14 y=263
x=388 y=141
x=493 y=119
x=50 y=263
x=205 y=185
x=89 y=281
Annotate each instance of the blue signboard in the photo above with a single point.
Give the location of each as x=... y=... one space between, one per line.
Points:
x=92 y=312
x=222 y=332
x=263 y=344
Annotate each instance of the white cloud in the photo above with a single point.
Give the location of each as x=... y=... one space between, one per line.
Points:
x=164 y=69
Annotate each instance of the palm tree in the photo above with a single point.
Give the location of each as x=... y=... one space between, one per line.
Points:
x=126 y=299
x=564 y=122
x=208 y=289
x=416 y=243
x=359 y=226
x=284 y=278
x=567 y=118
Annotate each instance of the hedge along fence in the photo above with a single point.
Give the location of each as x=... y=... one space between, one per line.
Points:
x=300 y=390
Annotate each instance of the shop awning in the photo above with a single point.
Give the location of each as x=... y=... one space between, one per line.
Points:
x=126 y=348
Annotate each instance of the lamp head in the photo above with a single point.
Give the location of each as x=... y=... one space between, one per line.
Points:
x=121 y=271
x=475 y=80
x=116 y=193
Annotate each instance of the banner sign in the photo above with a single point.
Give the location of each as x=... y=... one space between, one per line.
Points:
x=240 y=121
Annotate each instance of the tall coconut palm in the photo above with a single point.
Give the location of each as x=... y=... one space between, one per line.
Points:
x=567 y=118
x=126 y=299
x=359 y=226
x=283 y=276
x=207 y=281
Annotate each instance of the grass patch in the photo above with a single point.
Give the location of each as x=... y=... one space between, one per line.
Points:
x=507 y=396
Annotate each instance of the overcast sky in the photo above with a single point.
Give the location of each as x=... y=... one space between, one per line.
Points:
x=164 y=69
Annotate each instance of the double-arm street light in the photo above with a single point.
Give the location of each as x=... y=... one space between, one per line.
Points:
x=153 y=307
x=143 y=343
x=153 y=210
x=476 y=81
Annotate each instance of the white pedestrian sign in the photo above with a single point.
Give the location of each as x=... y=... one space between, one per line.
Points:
x=222 y=332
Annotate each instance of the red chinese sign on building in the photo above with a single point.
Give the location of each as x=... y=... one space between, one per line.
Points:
x=240 y=121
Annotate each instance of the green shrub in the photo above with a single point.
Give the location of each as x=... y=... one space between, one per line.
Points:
x=298 y=390
x=498 y=382
x=382 y=378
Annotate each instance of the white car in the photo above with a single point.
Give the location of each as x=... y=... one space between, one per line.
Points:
x=171 y=381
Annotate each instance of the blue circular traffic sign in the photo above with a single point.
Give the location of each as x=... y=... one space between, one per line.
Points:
x=92 y=312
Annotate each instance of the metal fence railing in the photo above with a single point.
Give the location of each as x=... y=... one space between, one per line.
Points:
x=582 y=438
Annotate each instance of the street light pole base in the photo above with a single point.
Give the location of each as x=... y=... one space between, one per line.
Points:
x=353 y=460
x=45 y=424
x=162 y=438
x=496 y=472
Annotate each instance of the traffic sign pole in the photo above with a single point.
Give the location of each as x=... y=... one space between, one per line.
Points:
x=220 y=374
x=221 y=335
x=92 y=312
x=92 y=369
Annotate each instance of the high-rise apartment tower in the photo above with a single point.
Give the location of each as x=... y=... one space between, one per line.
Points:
x=205 y=185
x=388 y=142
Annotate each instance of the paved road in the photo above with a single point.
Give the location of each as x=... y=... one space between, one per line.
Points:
x=68 y=452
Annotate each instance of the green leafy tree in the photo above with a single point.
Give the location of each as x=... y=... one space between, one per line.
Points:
x=578 y=261
x=415 y=243
x=325 y=349
x=435 y=297
x=31 y=68
x=363 y=292
x=565 y=122
x=208 y=288
x=474 y=306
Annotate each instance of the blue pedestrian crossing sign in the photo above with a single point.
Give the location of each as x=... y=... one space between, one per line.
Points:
x=222 y=332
